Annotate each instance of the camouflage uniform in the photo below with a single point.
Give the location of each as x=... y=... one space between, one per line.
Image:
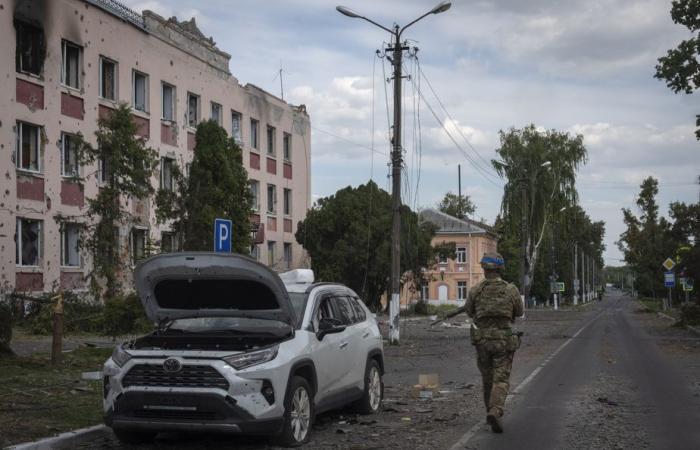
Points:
x=493 y=304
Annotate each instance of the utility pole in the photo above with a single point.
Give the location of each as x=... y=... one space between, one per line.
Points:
x=575 y=279
x=523 y=240
x=459 y=182
x=396 y=51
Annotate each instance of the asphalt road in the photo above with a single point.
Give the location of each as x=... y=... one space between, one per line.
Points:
x=609 y=387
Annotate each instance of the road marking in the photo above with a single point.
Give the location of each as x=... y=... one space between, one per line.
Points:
x=462 y=442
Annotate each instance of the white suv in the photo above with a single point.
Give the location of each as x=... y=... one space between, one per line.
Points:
x=241 y=349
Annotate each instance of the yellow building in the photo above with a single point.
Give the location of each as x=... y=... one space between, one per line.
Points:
x=450 y=279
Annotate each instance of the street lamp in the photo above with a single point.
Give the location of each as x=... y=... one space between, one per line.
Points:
x=397 y=49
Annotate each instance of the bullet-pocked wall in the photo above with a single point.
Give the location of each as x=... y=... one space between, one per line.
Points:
x=65 y=63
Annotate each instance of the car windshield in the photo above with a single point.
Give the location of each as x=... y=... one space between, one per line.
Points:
x=229 y=324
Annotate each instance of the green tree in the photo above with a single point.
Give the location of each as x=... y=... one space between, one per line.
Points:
x=540 y=171
x=456 y=206
x=680 y=68
x=647 y=241
x=217 y=186
x=127 y=165
x=347 y=238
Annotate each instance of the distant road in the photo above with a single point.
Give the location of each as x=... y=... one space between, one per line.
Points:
x=609 y=387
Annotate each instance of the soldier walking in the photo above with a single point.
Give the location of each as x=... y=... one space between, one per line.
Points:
x=493 y=305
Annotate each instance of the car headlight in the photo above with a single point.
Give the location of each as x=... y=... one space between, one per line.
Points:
x=243 y=360
x=120 y=356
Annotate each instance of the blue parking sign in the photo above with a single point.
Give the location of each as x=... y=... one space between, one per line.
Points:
x=222 y=235
x=669 y=279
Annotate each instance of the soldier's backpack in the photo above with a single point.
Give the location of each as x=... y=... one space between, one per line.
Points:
x=493 y=300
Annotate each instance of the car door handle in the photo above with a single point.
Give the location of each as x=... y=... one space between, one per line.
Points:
x=344 y=344
x=365 y=335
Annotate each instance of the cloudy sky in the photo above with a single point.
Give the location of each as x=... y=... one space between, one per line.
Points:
x=578 y=66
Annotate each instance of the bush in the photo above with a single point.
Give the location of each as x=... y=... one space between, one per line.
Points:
x=421 y=308
x=690 y=314
x=125 y=315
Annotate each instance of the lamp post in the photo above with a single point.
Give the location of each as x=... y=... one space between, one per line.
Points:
x=397 y=48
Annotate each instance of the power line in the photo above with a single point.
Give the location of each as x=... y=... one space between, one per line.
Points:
x=357 y=144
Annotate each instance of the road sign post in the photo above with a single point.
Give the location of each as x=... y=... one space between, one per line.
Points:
x=669 y=280
x=222 y=235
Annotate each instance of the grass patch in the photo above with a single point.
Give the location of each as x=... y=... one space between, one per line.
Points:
x=651 y=305
x=37 y=400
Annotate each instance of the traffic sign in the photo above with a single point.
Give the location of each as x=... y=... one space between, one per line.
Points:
x=560 y=286
x=222 y=235
x=688 y=285
x=668 y=264
x=669 y=279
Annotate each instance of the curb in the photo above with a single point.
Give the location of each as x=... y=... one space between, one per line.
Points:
x=63 y=439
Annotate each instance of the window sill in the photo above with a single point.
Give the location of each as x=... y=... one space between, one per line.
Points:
x=286 y=160
x=77 y=178
x=139 y=113
x=169 y=122
x=113 y=104
x=271 y=214
x=76 y=92
x=71 y=269
x=29 y=269
x=27 y=76
x=29 y=173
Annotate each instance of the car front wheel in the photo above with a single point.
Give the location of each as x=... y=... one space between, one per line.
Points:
x=374 y=389
x=298 y=413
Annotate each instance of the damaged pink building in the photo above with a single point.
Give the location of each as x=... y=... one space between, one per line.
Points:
x=66 y=63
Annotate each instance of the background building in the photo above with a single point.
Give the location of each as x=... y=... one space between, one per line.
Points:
x=65 y=63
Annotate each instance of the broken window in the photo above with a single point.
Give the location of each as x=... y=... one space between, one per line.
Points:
x=69 y=155
x=31 y=50
x=216 y=112
x=271 y=140
x=103 y=171
x=166 y=173
x=271 y=198
x=255 y=251
x=255 y=193
x=140 y=81
x=254 y=126
x=236 y=127
x=138 y=244
x=192 y=109
x=108 y=79
x=70 y=67
x=167 y=242
x=168 y=94
x=271 y=253
x=28 y=242
x=287 y=255
x=28 y=147
x=287 y=147
x=70 y=245
x=287 y=202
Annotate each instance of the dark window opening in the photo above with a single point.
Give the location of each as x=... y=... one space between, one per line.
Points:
x=214 y=294
x=31 y=48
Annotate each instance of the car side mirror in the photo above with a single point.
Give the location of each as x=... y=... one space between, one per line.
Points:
x=329 y=325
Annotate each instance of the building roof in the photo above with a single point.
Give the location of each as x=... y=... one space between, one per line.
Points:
x=450 y=224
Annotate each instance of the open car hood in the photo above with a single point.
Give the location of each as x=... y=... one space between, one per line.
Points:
x=205 y=284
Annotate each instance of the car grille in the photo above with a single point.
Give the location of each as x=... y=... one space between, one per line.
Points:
x=177 y=415
x=189 y=376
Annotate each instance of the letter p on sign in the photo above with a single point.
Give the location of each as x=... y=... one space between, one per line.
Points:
x=222 y=235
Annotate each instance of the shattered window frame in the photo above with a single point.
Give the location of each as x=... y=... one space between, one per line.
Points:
x=70 y=245
x=167 y=104
x=71 y=72
x=137 y=247
x=166 y=174
x=28 y=155
x=236 y=124
x=104 y=92
x=271 y=199
x=216 y=112
x=287 y=202
x=135 y=76
x=254 y=131
x=271 y=138
x=26 y=255
x=30 y=49
x=168 y=244
x=271 y=253
x=255 y=192
x=287 y=249
x=287 y=146
x=69 y=156
x=193 y=110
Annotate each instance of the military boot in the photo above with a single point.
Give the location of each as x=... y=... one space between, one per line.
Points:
x=493 y=419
